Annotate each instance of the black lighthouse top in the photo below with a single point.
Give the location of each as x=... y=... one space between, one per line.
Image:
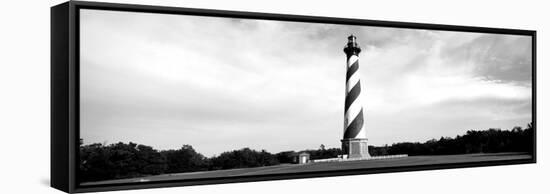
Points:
x=352 y=48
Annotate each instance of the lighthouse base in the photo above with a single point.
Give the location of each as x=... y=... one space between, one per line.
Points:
x=355 y=148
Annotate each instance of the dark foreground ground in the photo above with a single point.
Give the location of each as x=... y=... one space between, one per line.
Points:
x=325 y=166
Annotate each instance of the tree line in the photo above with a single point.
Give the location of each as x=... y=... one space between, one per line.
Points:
x=486 y=141
x=128 y=160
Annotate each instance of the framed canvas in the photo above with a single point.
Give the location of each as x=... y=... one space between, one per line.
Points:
x=150 y=96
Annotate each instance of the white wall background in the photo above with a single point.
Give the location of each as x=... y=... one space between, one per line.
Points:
x=25 y=95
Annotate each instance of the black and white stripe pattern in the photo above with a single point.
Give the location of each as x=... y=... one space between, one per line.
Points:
x=353 y=119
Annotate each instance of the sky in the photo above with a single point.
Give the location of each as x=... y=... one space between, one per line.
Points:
x=221 y=84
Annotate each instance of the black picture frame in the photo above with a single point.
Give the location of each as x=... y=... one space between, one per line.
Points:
x=65 y=92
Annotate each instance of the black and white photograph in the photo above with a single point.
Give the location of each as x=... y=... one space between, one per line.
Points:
x=274 y=97
x=168 y=97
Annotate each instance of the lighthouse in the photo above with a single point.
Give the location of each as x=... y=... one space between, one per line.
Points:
x=354 y=142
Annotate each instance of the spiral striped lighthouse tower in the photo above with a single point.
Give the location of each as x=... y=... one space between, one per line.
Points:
x=354 y=143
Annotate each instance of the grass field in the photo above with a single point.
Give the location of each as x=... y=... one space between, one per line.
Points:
x=325 y=166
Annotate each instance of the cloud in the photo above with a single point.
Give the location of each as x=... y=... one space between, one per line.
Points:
x=504 y=58
x=220 y=84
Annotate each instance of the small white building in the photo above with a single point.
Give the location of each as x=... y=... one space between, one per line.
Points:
x=301 y=158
